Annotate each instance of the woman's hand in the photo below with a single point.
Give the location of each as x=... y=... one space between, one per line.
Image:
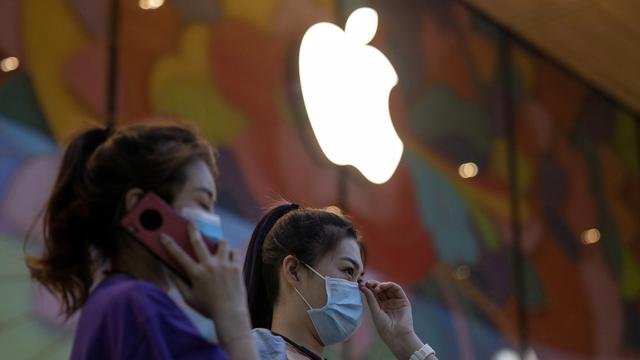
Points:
x=216 y=279
x=391 y=312
x=217 y=291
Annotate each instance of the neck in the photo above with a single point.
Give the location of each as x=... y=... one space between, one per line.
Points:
x=295 y=328
x=136 y=261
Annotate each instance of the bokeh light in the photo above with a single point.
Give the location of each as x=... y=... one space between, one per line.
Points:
x=468 y=170
x=150 y=4
x=9 y=64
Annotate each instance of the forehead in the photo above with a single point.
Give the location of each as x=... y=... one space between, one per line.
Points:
x=348 y=247
x=199 y=176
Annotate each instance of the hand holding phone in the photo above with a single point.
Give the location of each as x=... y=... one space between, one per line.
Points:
x=217 y=289
x=152 y=217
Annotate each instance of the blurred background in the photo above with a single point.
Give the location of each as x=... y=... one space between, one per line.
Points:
x=512 y=220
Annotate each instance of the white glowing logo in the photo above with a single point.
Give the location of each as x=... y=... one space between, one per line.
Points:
x=345 y=86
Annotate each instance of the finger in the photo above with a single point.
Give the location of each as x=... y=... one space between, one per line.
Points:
x=233 y=256
x=371 y=284
x=374 y=306
x=381 y=296
x=223 y=252
x=374 y=286
x=393 y=290
x=179 y=255
x=198 y=244
x=379 y=292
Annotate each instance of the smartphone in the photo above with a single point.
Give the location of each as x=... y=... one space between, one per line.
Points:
x=153 y=216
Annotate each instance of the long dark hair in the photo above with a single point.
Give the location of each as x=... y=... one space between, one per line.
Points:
x=288 y=229
x=82 y=215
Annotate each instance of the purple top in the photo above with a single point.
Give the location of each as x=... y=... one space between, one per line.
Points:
x=130 y=319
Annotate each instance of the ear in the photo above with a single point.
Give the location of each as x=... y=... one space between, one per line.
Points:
x=132 y=198
x=291 y=270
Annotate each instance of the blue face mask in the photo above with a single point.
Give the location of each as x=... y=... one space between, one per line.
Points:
x=342 y=315
x=208 y=223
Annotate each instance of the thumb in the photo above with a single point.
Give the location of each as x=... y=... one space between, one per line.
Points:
x=374 y=306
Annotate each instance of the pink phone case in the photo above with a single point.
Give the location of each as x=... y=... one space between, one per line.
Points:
x=153 y=216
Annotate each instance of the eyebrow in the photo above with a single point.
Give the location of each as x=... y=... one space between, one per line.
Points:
x=210 y=193
x=352 y=261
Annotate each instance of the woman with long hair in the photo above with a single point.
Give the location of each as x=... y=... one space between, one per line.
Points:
x=94 y=266
x=303 y=273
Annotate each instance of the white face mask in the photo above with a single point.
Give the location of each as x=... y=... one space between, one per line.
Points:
x=342 y=315
x=209 y=224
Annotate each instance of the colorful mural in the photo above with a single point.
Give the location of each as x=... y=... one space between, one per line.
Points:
x=230 y=68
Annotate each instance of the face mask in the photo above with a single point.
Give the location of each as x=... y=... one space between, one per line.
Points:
x=341 y=316
x=208 y=223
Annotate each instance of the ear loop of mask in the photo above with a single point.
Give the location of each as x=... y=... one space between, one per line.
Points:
x=317 y=273
x=305 y=264
x=302 y=297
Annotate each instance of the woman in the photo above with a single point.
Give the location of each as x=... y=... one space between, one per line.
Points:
x=126 y=312
x=303 y=273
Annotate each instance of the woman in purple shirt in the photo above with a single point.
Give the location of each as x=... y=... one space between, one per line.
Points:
x=91 y=264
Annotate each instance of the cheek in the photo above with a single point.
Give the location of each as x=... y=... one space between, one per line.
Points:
x=180 y=202
x=319 y=293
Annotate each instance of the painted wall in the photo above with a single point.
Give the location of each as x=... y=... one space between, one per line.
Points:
x=229 y=66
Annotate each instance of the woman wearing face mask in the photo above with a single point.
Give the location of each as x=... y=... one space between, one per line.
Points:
x=303 y=274
x=92 y=264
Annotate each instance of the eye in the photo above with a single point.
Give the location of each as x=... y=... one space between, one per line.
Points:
x=205 y=206
x=351 y=271
x=203 y=200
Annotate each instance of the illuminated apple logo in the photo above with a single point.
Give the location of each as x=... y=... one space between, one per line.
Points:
x=345 y=86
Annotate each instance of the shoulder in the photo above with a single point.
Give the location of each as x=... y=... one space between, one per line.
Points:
x=136 y=299
x=127 y=318
x=269 y=346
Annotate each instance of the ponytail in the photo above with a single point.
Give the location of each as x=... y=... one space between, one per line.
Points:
x=66 y=268
x=308 y=234
x=260 y=303
x=82 y=217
